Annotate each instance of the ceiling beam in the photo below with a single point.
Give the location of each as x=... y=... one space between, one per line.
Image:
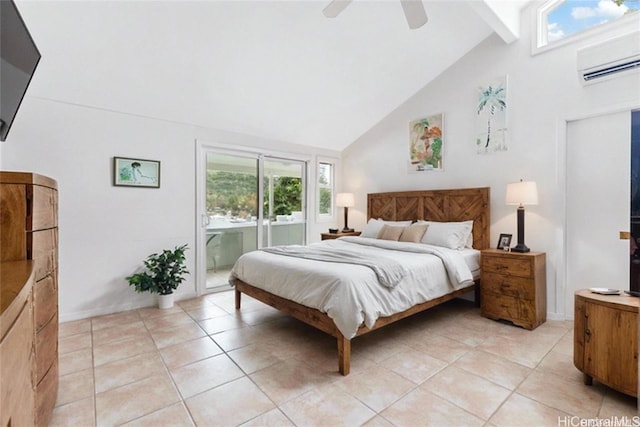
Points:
x=502 y=16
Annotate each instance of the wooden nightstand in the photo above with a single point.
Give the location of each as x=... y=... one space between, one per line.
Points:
x=605 y=340
x=327 y=236
x=513 y=286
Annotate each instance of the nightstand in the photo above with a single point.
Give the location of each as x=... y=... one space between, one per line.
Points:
x=605 y=340
x=328 y=236
x=513 y=286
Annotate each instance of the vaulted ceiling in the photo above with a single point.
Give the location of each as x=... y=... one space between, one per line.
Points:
x=276 y=69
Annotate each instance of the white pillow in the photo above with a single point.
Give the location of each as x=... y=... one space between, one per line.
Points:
x=469 y=243
x=396 y=223
x=372 y=229
x=452 y=235
x=470 y=238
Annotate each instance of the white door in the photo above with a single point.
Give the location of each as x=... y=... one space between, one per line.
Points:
x=598 y=203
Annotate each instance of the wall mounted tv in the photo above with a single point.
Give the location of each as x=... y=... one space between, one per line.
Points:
x=19 y=57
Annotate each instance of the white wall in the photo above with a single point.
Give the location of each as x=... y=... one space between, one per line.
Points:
x=106 y=231
x=543 y=92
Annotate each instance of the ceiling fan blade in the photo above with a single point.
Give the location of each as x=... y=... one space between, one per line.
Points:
x=414 y=12
x=334 y=8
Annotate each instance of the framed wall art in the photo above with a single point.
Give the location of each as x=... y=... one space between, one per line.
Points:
x=131 y=172
x=491 y=117
x=426 y=144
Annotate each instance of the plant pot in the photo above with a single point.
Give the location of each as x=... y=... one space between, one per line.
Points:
x=165 y=301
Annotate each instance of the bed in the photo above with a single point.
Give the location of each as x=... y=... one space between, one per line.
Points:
x=453 y=205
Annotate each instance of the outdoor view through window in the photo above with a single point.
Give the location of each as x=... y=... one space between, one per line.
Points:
x=565 y=18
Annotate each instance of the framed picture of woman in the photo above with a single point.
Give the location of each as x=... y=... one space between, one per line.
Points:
x=504 y=242
x=128 y=172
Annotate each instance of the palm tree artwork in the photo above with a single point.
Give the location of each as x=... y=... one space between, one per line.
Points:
x=492 y=106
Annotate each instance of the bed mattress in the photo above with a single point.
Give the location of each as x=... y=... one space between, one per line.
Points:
x=351 y=294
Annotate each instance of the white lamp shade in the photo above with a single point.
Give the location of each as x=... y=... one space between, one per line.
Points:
x=345 y=200
x=522 y=193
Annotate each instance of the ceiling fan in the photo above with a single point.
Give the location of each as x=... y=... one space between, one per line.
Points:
x=413 y=11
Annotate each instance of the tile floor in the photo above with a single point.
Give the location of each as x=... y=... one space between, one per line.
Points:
x=202 y=363
x=218 y=279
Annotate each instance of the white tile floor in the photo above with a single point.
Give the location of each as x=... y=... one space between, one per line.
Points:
x=202 y=363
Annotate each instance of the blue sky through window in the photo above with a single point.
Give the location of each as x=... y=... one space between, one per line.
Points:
x=574 y=16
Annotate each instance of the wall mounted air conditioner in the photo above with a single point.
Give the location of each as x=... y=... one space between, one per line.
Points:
x=612 y=58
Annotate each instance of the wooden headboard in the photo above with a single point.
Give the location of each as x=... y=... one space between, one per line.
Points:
x=436 y=205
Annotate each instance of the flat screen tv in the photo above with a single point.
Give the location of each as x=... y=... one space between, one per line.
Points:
x=19 y=57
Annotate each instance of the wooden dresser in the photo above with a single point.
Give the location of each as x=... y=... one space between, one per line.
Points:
x=513 y=286
x=17 y=390
x=29 y=228
x=605 y=345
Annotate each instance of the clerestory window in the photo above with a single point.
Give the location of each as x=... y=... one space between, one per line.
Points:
x=564 y=20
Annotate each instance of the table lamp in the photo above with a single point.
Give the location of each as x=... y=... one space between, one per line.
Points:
x=521 y=194
x=345 y=200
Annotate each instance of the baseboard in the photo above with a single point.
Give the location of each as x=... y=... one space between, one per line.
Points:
x=557 y=316
x=103 y=311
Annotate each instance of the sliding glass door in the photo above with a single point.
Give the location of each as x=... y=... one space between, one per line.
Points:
x=283 y=203
x=250 y=201
x=231 y=213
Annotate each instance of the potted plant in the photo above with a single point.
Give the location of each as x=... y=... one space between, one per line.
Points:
x=164 y=273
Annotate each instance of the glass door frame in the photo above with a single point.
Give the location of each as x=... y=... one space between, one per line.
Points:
x=269 y=194
x=202 y=219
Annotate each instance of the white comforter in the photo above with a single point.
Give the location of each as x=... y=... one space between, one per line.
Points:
x=351 y=294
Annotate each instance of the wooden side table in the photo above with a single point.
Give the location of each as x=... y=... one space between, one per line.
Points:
x=513 y=286
x=605 y=339
x=328 y=236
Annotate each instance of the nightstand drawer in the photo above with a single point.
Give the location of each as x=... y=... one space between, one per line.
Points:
x=518 y=311
x=510 y=266
x=514 y=286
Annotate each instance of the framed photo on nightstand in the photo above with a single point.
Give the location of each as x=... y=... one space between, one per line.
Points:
x=504 y=241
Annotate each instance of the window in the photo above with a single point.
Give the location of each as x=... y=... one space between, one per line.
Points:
x=325 y=189
x=559 y=21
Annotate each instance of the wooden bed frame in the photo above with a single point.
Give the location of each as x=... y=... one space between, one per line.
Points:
x=436 y=205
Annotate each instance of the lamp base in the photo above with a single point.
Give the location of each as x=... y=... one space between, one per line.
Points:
x=347 y=230
x=520 y=247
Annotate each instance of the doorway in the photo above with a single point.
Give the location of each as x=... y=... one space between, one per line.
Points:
x=634 y=251
x=597 y=203
x=251 y=201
